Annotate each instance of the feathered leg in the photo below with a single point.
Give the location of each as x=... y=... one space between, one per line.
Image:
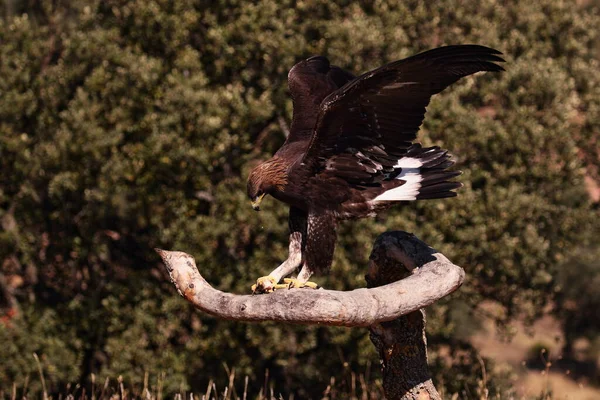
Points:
x=297 y=222
x=320 y=245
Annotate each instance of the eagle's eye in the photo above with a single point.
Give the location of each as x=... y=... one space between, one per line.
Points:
x=257 y=194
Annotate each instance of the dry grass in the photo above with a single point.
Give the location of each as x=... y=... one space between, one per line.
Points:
x=354 y=387
x=547 y=382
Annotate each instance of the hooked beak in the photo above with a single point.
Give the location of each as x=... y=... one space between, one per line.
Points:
x=256 y=202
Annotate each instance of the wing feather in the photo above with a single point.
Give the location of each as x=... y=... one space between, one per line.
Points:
x=310 y=81
x=377 y=115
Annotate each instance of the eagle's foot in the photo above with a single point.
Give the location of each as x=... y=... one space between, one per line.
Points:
x=295 y=283
x=264 y=284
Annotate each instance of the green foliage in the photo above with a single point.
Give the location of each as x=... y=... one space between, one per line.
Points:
x=128 y=125
x=578 y=300
x=34 y=331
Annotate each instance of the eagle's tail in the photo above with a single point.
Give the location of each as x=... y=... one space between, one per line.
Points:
x=421 y=174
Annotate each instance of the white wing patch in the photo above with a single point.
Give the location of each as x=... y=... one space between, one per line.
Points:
x=411 y=173
x=408 y=162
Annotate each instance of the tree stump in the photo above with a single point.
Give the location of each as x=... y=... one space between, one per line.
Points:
x=401 y=343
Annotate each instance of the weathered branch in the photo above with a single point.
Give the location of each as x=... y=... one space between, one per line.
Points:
x=404 y=275
x=433 y=277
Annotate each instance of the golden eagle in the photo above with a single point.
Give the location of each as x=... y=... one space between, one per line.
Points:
x=350 y=152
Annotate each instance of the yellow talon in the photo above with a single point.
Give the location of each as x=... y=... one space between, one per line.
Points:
x=264 y=284
x=294 y=283
x=268 y=284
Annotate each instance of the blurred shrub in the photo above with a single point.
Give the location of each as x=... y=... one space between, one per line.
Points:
x=578 y=301
x=128 y=125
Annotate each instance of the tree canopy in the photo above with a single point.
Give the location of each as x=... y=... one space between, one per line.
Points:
x=129 y=125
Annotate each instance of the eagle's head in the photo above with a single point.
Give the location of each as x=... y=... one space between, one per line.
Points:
x=266 y=178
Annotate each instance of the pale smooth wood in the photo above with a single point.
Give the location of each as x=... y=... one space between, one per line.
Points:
x=434 y=277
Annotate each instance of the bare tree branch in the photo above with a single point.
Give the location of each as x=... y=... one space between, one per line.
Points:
x=433 y=277
x=404 y=275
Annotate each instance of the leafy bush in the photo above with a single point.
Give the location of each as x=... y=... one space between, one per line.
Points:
x=128 y=125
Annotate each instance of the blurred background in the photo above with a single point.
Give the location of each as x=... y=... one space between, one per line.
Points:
x=129 y=125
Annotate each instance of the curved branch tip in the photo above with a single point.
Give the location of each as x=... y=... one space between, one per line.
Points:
x=425 y=277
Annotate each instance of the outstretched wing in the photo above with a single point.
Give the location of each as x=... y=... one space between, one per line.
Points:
x=364 y=128
x=310 y=81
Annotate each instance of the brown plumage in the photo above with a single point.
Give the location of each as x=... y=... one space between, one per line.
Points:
x=350 y=153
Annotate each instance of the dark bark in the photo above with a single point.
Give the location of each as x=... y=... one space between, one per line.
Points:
x=401 y=343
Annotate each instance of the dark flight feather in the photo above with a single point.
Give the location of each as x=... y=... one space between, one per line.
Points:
x=388 y=104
